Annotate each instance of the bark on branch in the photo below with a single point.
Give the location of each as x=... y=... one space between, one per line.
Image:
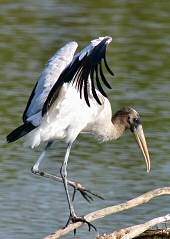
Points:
x=113 y=210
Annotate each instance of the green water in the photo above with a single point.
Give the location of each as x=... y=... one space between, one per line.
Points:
x=31 y=32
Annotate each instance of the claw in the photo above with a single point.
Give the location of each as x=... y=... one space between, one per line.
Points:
x=74 y=219
x=86 y=196
x=94 y=194
x=85 y=193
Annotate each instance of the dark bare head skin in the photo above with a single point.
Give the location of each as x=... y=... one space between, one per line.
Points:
x=128 y=118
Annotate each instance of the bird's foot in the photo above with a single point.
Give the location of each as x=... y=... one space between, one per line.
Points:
x=86 y=193
x=73 y=218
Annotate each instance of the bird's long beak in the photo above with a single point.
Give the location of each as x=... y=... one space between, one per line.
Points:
x=140 y=138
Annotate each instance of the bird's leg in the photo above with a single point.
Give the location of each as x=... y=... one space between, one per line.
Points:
x=73 y=217
x=76 y=186
x=35 y=169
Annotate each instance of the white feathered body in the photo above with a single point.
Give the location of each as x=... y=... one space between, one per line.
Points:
x=64 y=121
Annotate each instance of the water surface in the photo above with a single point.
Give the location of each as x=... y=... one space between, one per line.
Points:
x=33 y=207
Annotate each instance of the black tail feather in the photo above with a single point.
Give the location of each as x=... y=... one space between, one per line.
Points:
x=20 y=132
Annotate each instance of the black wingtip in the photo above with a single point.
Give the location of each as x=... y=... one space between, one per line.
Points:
x=20 y=132
x=78 y=71
x=107 y=66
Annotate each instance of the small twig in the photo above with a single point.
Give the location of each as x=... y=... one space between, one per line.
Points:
x=112 y=210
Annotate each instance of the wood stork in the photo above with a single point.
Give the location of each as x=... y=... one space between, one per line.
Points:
x=65 y=103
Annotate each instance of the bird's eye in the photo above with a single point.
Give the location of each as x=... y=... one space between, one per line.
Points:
x=135 y=120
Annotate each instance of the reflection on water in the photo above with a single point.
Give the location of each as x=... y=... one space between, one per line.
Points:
x=139 y=56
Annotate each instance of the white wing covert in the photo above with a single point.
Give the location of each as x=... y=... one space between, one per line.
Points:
x=48 y=78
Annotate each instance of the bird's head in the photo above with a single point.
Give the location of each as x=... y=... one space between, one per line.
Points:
x=130 y=119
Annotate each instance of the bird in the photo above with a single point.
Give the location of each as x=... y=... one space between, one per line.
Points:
x=69 y=99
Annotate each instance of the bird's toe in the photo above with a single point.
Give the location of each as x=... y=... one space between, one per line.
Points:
x=86 y=193
x=74 y=218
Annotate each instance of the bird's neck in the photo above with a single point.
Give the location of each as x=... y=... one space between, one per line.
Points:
x=117 y=127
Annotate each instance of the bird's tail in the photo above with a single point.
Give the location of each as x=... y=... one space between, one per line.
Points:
x=20 y=132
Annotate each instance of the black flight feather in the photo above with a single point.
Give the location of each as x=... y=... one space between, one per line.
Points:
x=93 y=87
x=98 y=82
x=20 y=132
x=24 y=117
x=78 y=72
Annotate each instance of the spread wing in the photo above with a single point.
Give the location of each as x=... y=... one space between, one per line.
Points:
x=48 y=78
x=85 y=66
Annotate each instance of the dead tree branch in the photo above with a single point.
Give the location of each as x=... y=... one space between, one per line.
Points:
x=134 y=231
x=113 y=210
